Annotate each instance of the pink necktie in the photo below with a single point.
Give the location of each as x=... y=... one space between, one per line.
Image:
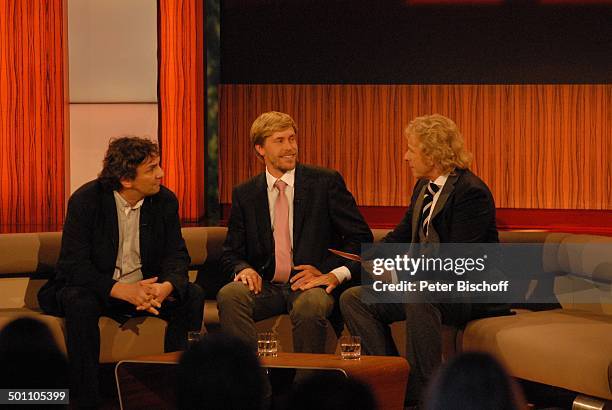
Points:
x=282 y=241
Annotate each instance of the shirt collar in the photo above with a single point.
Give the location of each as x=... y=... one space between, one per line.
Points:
x=441 y=180
x=125 y=204
x=288 y=177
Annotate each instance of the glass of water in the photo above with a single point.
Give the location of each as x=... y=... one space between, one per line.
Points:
x=350 y=347
x=193 y=337
x=267 y=344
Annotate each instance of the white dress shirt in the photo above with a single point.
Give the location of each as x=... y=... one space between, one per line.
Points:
x=128 y=264
x=440 y=181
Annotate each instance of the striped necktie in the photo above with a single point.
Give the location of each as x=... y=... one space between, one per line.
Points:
x=430 y=192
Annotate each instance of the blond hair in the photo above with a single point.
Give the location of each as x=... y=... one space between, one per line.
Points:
x=267 y=124
x=441 y=141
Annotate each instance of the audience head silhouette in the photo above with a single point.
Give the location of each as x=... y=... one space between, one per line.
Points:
x=220 y=372
x=473 y=381
x=30 y=357
x=331 y=391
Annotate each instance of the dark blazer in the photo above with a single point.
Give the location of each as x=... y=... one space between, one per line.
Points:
x=464 y=213
x=325 y=215
x=90 y=243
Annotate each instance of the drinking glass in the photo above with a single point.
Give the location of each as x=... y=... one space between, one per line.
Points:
x=350 y=347
x=267 y=344
x=193 y=337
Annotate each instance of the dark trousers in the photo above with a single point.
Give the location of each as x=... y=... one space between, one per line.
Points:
x=424 y=322
x=82 y=310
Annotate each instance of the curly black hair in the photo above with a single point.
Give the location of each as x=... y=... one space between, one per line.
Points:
x=122 y=157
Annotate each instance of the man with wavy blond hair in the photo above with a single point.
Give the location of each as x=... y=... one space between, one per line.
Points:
x=449 y=205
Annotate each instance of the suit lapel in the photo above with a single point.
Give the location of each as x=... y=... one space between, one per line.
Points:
x=109 y=208
x=449 y=187
x=300 y=204
x=262 y=213
x=145 y=226
x=416 y=213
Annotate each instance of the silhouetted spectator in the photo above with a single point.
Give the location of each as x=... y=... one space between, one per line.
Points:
x=473 y=381
x=30 y=358
x=331 y=391
x=220 y=372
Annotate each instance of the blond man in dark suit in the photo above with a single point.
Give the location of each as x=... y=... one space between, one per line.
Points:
x=281 y=225
x=449 y=204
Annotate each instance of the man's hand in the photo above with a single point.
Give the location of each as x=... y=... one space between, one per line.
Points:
x=138 y=294
x=159 y=293
x=310 y=277
x=250 y=278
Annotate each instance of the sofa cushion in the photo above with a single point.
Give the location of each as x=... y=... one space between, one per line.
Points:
x=210 y=276
x=50 y=246
x=12 y=292
x=214 y=244
x=588 y=256
x=142 y=336
x=195 y=239
x=137 y=337
x=571 y=349
x=379 y=233
x=19 y=253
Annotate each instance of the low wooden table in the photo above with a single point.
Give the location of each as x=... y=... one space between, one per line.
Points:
x=386 y=376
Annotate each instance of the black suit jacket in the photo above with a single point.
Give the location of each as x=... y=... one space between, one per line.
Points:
x=464 y=213
x=90 y=243
x=325 y=215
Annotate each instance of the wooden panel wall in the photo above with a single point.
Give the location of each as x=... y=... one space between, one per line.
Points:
x=181 y=93
x=33 y=127
x=536 y=146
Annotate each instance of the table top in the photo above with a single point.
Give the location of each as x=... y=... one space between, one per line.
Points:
x=314 y=360
x=327 y=361
x=386 y=375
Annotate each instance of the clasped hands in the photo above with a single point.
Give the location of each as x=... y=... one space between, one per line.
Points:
x=146 y=294
x=308 y=277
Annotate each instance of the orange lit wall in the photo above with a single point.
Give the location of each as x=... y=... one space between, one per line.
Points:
x=536 y=146
x=33 y=123
x=181 y=100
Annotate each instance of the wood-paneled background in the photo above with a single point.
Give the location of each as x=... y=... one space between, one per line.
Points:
x=33 y=124
x=536 y=146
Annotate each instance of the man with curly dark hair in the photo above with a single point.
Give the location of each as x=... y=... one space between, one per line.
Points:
x=122 y=256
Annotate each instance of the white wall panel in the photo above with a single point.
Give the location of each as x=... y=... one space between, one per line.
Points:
x=93 y=125
x=112 y=50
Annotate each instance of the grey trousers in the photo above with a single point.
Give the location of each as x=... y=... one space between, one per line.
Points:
x=239 y=309
x=423 y=332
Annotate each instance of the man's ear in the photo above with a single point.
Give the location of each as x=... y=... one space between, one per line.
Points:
x=430 y=161
x=125 y=183
x=260 y=150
